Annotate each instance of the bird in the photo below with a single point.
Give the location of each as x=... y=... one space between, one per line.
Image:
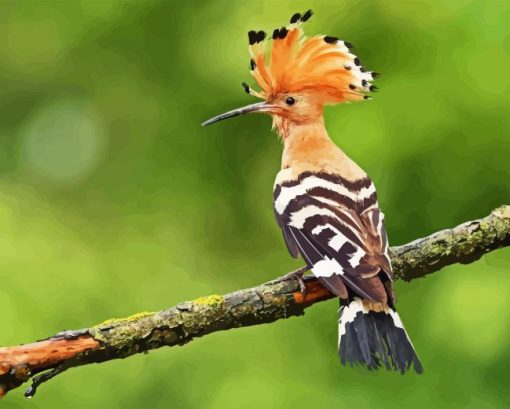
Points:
x=324 y=203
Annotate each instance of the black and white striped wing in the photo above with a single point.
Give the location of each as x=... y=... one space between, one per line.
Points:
x=338 y=228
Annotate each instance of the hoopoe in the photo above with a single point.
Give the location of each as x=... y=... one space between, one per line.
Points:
x=325 y=204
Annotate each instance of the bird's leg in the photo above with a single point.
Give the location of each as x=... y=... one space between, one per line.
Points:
x=297 y=275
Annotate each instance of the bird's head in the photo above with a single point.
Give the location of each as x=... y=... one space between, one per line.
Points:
x=298 y=75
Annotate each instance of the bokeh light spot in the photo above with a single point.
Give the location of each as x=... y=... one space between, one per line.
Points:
x=62 y=143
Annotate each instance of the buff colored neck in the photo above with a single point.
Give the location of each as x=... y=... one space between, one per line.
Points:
x=309 y=147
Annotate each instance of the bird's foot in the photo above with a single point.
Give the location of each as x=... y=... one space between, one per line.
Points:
x=297 y=275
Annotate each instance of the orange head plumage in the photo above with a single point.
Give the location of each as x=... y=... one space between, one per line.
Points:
x=298 y=75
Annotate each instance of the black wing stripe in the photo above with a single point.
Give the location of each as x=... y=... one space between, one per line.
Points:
x=276 y=192
x=353 y=186
x=319 y=254
x=343 y=200
x=310 y=253
x=334 y=285
x=290 y=242
x=325 y=235
x=376 y=217
x=305 y=200
x=341 y=254
x=348 y=249
x=337 y=193
x=335 y=224
x=317 y=220
x=367 y=202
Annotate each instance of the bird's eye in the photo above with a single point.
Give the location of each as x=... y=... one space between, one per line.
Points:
x=290 y=101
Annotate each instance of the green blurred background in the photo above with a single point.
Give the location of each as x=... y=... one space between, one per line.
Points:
x=114 y=200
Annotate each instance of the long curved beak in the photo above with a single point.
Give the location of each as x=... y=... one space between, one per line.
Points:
x=258 y=107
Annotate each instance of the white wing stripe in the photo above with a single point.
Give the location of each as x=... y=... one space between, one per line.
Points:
x=298 y=219
x=287 y=194
x=337 y=241
x=380 y=224
x=356 y=257
x=318 y=229
x=349 y=312
x=348 y=214
x=327 y=267
x=325 y=200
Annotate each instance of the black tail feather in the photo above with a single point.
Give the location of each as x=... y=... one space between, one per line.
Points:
x=374 y=339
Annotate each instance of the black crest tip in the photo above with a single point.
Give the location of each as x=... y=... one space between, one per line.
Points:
x=351 y=86
x=366 y=97
x=350 y=46
x=246 y=87
x=330 y=39
x=375 y=74
x=357 y=61
x=252 y=65
x=307 y=16
x=295 y=18
x=283 y=33
x=261 y=35
x=252 y=37
x=276 y=34
x=373 y=88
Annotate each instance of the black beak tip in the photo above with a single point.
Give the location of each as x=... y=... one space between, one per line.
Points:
x=211 y=121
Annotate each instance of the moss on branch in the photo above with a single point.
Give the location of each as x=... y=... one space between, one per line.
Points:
x=122 y=337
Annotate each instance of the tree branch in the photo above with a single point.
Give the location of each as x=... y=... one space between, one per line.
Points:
x=120 y=338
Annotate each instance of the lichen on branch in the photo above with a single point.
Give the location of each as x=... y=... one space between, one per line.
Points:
x=178 y=325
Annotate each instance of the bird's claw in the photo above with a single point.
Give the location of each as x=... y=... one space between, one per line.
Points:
x=297 y=275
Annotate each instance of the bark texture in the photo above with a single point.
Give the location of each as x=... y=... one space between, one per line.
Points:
x=178 y=325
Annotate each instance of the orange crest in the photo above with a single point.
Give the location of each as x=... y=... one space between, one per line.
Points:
x=291 y=62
